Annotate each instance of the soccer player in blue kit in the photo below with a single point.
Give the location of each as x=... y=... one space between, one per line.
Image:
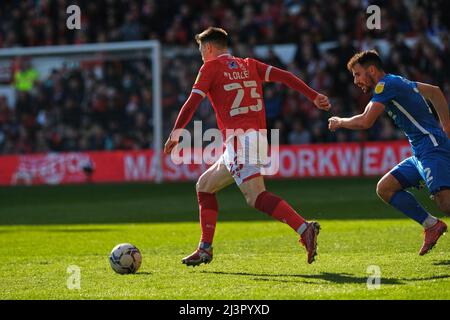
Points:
x=404 y=101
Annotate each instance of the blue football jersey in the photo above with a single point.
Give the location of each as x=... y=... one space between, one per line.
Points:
x=410 y=112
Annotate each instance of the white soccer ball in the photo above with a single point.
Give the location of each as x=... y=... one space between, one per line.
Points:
x=125 y=258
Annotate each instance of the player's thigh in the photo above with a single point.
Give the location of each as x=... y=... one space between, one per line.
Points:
x=252 y=188
x=403 y=176
x=214 y=179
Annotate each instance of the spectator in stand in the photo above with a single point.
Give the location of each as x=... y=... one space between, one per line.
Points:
x=77 y=108
x=299 y=135
x=26 y=76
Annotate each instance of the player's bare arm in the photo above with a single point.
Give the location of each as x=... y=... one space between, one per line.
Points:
x=437 y=98
x=361 y=121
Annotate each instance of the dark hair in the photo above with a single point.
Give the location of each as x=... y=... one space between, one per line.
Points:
x=365 y=59
x=216 y=36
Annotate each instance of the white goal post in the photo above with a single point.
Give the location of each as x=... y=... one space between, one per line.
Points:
x=154 y=54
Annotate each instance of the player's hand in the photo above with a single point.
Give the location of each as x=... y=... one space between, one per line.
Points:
x=170 y=144
x=334 y=123
x=322 y=102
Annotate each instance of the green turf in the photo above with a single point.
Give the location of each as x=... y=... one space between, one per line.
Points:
x=43 y=230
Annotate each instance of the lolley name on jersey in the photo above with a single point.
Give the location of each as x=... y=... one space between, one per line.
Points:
x=237 y=75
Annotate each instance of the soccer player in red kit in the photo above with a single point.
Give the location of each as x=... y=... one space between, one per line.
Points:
x=234 y=87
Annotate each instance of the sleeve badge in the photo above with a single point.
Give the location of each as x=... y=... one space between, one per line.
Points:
x=379 y=88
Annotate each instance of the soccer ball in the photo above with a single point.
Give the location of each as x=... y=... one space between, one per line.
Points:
x=125 y=258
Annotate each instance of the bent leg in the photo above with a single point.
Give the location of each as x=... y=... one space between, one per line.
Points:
x=391 y=187
x=256 y=196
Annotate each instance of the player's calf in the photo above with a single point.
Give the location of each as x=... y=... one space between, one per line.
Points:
x=443 y=201
x=271 y=204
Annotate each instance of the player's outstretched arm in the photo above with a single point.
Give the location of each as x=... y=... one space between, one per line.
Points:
x=185 y=115
x=287 y=78
x=361 y=121
x=437 y=98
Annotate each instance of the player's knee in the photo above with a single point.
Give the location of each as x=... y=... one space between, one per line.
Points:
x=201 y=185
x=383 y=191
x=250 y=199
x=386 y=189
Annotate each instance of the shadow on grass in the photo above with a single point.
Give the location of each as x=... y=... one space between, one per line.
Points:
x=143 y=273
x=337 y=278
x=83 y=230
x=442 y=263
x=444 y=276
x=63 y=230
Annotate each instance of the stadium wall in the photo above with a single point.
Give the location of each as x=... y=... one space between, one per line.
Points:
x=296 y=161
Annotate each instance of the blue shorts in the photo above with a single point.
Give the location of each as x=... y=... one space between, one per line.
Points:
x=432 y=167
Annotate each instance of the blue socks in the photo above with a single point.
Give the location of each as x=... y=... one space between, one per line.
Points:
x=406 y=203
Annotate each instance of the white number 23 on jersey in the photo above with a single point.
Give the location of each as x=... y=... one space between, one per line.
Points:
x=236 y=108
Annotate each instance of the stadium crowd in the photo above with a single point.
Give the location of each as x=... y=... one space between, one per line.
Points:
x=77 y=108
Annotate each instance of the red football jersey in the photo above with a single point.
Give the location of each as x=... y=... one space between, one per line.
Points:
x=234 y=88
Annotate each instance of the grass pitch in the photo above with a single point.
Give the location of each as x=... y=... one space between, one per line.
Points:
x=44 y=230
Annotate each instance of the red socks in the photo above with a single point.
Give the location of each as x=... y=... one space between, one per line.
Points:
x=266 y=202
x=276 y=207
x=207 y=203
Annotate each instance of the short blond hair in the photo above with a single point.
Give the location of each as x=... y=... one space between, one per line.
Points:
x=217 y=36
